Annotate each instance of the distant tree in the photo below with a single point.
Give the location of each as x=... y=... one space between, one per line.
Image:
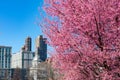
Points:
x=17 y=74
x=6 y=75
x=46 y=72
x=85 y=35
x=52 y=72
x=28 y=76
x=42 y=71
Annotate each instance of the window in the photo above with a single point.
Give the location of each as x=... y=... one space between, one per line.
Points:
x=0 y=50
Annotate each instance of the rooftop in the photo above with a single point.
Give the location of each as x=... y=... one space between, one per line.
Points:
x=5 y=46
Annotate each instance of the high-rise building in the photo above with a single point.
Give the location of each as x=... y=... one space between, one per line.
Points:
x=5 y=56
x=28 y=44
x=23 y=58
x=5 y=61
x=41 y=48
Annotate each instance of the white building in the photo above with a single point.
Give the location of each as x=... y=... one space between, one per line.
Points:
x=39 y=68
x=33 y=69
x=22 y=59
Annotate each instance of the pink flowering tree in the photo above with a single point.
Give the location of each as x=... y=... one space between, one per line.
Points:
x=85 y=35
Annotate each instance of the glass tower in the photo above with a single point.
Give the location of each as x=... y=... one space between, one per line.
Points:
x=5 y=57
x=5 y=60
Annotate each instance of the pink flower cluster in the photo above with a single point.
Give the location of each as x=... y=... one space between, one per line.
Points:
x=86 y=37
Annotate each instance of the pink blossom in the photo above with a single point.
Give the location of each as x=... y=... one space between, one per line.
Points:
x=86 y=37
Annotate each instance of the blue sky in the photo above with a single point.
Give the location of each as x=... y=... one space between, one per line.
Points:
x=17 y=18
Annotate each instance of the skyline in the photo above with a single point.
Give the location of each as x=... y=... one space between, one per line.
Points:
x=17 y=21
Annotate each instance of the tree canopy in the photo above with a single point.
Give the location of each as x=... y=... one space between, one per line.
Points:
x=86 y=37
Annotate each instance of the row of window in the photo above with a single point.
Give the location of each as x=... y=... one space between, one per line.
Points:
x=5 y=57
x=5 y=51
x=5 y=66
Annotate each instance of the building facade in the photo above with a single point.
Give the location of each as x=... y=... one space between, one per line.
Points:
x=22 y=59
x=41 y=48
x=37 y=72
x=28 y=44
x=5 y=62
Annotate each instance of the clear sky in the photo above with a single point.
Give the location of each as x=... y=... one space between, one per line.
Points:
x=17 y=18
